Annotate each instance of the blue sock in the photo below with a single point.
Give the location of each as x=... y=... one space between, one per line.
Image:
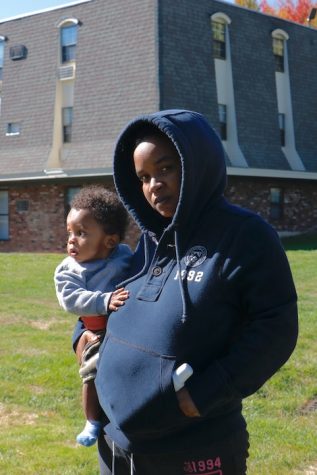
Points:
x=90 y=433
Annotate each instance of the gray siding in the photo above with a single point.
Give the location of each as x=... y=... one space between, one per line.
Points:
x=116 y=78
x=187 y=76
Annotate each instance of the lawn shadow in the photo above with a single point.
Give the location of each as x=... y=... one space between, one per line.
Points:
x=300 y=242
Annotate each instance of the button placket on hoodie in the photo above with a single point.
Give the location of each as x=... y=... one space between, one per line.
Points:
x=157 y=275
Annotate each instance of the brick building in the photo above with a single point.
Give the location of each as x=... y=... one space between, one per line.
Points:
x=71 y=77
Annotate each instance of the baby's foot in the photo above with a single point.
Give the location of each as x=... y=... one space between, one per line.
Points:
x=90 y=433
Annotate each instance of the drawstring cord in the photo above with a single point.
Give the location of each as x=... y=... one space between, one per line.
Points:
x=113 y=459
x=131 y=465
x=146 y=261
x=181 y=284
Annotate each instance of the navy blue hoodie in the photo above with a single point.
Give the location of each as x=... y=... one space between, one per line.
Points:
x=232 y=315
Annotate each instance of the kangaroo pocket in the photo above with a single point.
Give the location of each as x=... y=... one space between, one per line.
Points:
x=135 y=390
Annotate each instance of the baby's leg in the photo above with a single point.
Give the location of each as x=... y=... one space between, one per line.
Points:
x=92 y=412
x=91 y=405
x=87 y=337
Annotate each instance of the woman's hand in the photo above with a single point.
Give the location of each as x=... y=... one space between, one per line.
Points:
x=186 y=403
x=85 y=338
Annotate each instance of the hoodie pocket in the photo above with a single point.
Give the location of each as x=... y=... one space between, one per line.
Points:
x=135 y=389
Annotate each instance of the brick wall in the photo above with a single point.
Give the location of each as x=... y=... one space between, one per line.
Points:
x=300 y=201
x=41 y=228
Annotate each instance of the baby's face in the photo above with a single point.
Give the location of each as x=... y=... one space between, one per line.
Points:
x=86 y=238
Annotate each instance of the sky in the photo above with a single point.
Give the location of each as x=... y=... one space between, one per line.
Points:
x=10 y=8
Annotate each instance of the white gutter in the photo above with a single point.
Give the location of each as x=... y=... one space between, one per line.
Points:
x=99 y=172
x=58 y=174
x=270 y=173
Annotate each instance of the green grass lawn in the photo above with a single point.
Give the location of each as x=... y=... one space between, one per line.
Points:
x=40 y=411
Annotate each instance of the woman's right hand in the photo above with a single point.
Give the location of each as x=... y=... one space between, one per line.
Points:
x=186 y=403
x=85 y=338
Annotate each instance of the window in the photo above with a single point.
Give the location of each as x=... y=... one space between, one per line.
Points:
x=281 y=123
x=276 y=201
x=278 y=51
x=68 y=42
x=4 y=215
x=222 y=113
x=13 y=128
x=1 y=56
x=219 y=39
x=70 y=193
x=67 y=124
x=22 y=205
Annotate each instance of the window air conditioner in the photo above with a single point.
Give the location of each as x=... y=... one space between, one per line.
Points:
x=18 y=52
x=66 y=72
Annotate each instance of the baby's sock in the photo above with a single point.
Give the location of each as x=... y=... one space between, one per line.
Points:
x=90 y=433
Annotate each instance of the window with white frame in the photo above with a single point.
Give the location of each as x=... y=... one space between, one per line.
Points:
x=67 y=123
x=278 y=51
x=219 y=38
x=68 y=35
x=222 y=114
x=4 y=215
x=281 y=123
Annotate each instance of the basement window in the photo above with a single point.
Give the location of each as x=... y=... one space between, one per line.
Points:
x=22 y=205
x=276 y=203
x=4 y=215
x=69 y=195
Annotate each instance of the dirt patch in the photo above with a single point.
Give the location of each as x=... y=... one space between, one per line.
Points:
x=42 y=325
x=9 y=417
x=309 y=406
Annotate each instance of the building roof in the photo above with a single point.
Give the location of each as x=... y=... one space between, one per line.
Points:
x=138 y=57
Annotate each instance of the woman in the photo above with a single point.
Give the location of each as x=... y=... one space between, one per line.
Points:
x=211 y=313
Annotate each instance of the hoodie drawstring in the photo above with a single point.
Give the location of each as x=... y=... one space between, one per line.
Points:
x=113 y=459
x=113 y=468
x=131 y=464
x=181 y=283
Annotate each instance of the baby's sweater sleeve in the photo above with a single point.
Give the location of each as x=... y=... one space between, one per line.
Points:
x=73 y=295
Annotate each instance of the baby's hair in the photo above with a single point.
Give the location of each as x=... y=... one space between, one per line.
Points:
x=104 y=206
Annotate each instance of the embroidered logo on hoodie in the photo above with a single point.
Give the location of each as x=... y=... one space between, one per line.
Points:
x=195 y=256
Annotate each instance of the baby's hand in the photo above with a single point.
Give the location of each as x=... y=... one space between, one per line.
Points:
x=117 y=299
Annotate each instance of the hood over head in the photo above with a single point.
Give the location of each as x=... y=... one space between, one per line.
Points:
x=202 y=162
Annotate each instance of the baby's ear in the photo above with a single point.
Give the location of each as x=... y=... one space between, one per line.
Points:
x=111 y=241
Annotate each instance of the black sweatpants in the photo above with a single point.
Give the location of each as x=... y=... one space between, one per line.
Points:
x=227 y=457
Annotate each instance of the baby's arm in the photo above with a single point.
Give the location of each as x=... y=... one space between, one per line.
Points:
x=75 y=298
x=117 y=299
